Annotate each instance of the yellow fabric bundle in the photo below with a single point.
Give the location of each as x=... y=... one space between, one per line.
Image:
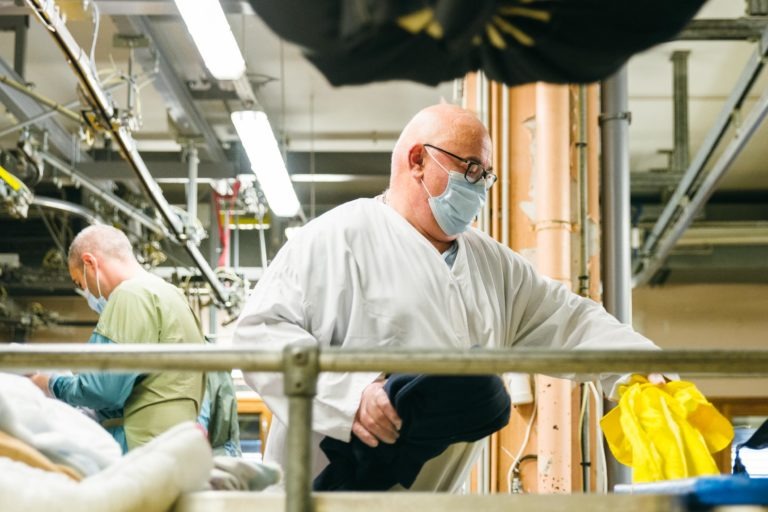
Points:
x=665 y=431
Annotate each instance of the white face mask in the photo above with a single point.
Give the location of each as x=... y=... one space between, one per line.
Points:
x=456 y=208
x=95 y=303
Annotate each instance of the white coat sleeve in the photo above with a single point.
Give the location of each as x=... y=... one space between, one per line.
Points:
x=277 y=313
x=546 y=314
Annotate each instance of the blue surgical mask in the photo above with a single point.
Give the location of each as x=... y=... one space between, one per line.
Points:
x=457 y=207
x=95 y=303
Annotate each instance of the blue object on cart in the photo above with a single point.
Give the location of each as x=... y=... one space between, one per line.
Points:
x=707 y=491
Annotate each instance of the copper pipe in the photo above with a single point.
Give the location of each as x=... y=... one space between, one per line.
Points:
x=553 y=236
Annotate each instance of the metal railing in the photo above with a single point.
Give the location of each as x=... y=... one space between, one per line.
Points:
x=301 y=364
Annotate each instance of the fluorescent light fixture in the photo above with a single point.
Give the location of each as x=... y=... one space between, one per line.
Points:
x=336 y=178
x=209 y=28
x=266 y=161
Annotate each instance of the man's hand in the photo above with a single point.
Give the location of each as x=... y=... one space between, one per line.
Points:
x=376 y=419
x=41 y=381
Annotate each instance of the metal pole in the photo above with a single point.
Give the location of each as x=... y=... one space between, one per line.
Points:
x=20 y=46
x=213 y=257
x=236 y=242
x=504 y=165
x=617 y=287
x=581 y=146
x=193 y=163
x=614 y=124
x=22 y=88
x=681 y=153
x=262 y=241
x=300 y=385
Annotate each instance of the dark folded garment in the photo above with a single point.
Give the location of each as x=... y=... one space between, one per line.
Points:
x=512 y=41
x=437 y=411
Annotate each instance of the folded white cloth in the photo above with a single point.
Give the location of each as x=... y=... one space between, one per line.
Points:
x=148 y=479
x=59 y=431
x=236 y=474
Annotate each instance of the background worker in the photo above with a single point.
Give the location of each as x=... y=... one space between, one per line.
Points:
x=134 y=306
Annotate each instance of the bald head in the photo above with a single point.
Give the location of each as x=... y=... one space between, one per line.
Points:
x=441 y=125
x=102 y=241
x=418 y=174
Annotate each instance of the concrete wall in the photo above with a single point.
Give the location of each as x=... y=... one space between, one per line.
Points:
x=701 y=316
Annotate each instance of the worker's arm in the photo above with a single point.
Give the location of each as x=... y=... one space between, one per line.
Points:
x=95 y=390
x=277 y=314
x=546 y=314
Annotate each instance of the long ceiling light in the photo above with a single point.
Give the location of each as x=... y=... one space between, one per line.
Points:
x=209 y=28
x=266 y=161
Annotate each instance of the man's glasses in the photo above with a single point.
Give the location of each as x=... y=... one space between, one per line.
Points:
x=474 y=172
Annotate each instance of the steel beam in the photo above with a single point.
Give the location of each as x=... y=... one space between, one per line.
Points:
x=741 y=29
x=679 y=199
x=24 y=108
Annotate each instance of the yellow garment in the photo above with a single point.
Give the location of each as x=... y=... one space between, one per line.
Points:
x=665 y=431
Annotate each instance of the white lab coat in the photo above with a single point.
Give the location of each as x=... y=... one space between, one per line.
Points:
x=361 y=276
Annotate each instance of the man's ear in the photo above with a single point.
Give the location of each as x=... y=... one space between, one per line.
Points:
x=416 y=160
x=88 y=258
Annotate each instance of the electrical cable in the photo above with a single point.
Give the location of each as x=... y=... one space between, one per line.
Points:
x=526 y=438
x=96 y=23
x=601 y=467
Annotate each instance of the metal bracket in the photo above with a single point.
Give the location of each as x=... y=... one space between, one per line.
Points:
x=301 y=369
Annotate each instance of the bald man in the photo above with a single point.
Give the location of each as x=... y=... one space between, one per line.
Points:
x=407 y=270
x=134 y=306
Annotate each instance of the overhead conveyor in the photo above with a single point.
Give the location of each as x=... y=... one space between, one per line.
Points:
x=49 y=15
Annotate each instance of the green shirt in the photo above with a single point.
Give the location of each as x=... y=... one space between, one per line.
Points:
x=146 y=309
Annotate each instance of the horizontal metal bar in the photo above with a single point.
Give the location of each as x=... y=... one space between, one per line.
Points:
x=710 y=29
x=455 y=362
x=421 y=501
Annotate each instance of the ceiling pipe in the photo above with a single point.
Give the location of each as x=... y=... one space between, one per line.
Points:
x=67 y=207
x=48 y=14
x=96 y=189
x=617 y=291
